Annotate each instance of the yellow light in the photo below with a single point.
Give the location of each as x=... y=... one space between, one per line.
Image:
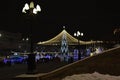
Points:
x=91 y=54
x=71 y=40
x=31 y=5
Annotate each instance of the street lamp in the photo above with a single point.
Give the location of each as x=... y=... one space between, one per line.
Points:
x=78 y=34
x=30 y=10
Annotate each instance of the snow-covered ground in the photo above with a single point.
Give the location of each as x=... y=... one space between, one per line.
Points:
x=93 y=76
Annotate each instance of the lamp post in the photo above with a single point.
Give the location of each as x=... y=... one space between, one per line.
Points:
x=78 y=34
x=30 y=11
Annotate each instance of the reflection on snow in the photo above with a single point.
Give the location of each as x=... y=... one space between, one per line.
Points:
x=93 y=76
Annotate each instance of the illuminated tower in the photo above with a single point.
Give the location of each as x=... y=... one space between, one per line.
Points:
x=64 y=48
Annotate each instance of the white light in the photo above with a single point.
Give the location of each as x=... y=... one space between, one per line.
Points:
x=35 y=11
x=63 y=27
x=23 y=39
x=38 y=8
x=26 y=6
x=0 y=35
x=15 y=53
x=75 y=34
x=81 y=34
x=23 y=10
x=78 y=33
x=27 y=39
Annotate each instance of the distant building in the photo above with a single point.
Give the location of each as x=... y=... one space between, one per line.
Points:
x=9 y=41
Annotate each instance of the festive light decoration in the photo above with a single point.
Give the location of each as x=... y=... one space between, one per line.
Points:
x=64 y=48
x=70 y=40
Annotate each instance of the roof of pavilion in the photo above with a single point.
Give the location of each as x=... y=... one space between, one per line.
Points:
x=70 y=39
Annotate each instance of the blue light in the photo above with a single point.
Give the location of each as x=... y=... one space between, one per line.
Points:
x=75 y=55
x=13 y=60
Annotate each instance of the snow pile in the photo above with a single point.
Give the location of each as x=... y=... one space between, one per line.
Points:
x=93 y=76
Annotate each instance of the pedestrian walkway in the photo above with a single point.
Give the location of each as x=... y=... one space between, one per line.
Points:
x=8 y=72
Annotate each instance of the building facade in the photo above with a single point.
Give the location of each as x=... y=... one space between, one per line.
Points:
x=9 y=41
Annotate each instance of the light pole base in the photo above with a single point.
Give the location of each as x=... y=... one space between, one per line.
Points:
x=31 y=64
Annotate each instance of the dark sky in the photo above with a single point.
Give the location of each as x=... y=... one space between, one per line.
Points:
x=96 y=19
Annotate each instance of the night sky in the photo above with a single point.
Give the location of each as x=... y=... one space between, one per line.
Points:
x=96 y=19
